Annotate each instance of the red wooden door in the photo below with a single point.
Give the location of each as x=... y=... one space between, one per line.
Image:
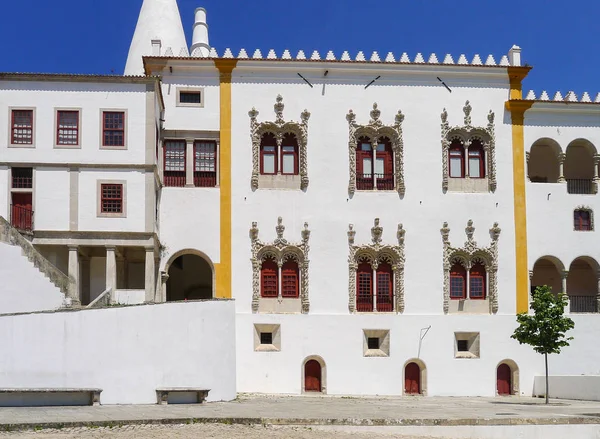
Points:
x=312 y=376
x=22 y=213
x=504 y=380
x=412 y=379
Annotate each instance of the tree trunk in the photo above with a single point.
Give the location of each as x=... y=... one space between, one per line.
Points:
x=547 y=389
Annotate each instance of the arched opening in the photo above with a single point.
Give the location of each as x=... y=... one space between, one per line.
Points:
x=582 y=285
x=190 y=277
x=507 y=378
x=415 y=377
x=314 y=376
x=579 y=167
x=456 y=158
x=547 y=270
x=543 y=165
x=476 y=160
x=289 y=154
x=384 y=164
x=268 y=154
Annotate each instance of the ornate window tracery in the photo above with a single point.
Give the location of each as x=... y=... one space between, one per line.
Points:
x=471 y=271
x=279 y=268
x=376 y=273
x=376 y=153
x=468 y=152
x=279 y=147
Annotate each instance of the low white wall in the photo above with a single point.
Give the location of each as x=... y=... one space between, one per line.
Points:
x=130 y=297
x=586 y=387
x=128 y=352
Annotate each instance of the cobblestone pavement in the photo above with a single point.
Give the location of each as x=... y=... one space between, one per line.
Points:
x=195 y=431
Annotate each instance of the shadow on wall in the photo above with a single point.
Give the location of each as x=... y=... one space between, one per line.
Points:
x=190 y=278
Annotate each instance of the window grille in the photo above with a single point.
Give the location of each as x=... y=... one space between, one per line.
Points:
x=22 y=178
x=22 y=127
x=111 y=198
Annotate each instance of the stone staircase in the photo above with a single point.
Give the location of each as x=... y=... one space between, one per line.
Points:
x=9 y=235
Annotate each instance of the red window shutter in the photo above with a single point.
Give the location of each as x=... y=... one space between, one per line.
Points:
x=385 y=288
x=289 y=279
x=477 y=287
x=386 y=181
x=111 y=198
x=458 y=282
x=364 y=288
x=269 y=284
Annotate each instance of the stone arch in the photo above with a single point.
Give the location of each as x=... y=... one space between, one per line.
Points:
x=543 y=161
x=194 y=283
x=548 y=270
x=582 y=284
x=323 y=365
x=423 y=376
x=579 y=166
x=514 y=376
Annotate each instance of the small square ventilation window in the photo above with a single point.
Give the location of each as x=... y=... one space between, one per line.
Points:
x=462 y=345
x=373 y=342
x=466 y=345
x=266 y=338
x=376 y=342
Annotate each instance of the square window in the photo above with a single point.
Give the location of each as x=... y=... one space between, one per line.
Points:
x=373 y=342
x=462 y=345
x=466 y=345
x=67 y=127
x=21 y=127
x=266 y=338
x=376 y=342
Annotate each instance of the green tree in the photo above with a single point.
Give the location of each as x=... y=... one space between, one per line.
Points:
x=545 y=329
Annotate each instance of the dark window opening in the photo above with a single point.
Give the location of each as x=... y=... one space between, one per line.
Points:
x=22 y=178
x=190 y=97
x=373 y=342
x=462 y=345
x=266 y=338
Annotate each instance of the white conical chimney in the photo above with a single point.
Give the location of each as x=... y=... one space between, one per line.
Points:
x=158 y=20
x=200 y=45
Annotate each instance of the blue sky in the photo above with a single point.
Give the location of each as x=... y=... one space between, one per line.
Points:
x=561 y=39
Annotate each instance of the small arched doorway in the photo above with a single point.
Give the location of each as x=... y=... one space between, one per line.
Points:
x=412 y=379
x=503 y=380
x=314 y=378
x=190 y=277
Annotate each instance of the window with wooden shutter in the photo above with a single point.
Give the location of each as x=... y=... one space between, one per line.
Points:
x=477 y=282
x=456 y=160
x=289 y=279
x=111 y=198
x=458 y=282
x=364 y=288
x=364 y=164
x=269 y=285
x=384 y=166
x=385 y=287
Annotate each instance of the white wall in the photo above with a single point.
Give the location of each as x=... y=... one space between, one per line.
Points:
x=24 y=287
x=51 y=199
x=128 y=352
x=4 y=193
x=569 y=387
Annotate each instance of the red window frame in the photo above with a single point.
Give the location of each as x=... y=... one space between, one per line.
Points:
x=67 y=132
x=385 y=287
x=269 y=279
x=364 y=181
x=113 y=128
x=289 y=140
x=477 y=282
x=21 y=132
x=111 y=198
x=268 y=140
x=174 y=156
x=385 y=181
x=582 y=220
x=456 y=151
x=205 y=164
x=364 y=287
x=290 y=275
x=476 y=151
x=458 y=282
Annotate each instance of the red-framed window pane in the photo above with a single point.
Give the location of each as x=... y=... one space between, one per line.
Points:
x=476 y=160
x=289 y=155
x=477 y=282
x=67 y=130
x=22 y=127
x=384 y=164
x=364 y=288
x=269 y=280
x=583 y=220
x=385 y=288
x=289 y=279
x=113 y=128
x=268 y=154
x=111 y=198
x=205 y=164
x=364 y=164
x=174 y=168
x=458 y=282
x=456 y=157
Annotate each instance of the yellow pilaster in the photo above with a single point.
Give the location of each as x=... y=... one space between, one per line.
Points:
x=517 y=109
x=223 y=268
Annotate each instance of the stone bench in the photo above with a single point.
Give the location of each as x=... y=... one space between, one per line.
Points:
x=187 y=395
x=49 y=396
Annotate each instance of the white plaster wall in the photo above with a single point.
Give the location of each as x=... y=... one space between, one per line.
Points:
x=24 y=287
x=189 y=219
x=4 y=193
x=89 y=199
x=51 y=199
x=123 y=350
x=45 y=96
x=549 y=204
x=569 y=387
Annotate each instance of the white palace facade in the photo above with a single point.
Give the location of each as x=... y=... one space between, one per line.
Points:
x=348 y=224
